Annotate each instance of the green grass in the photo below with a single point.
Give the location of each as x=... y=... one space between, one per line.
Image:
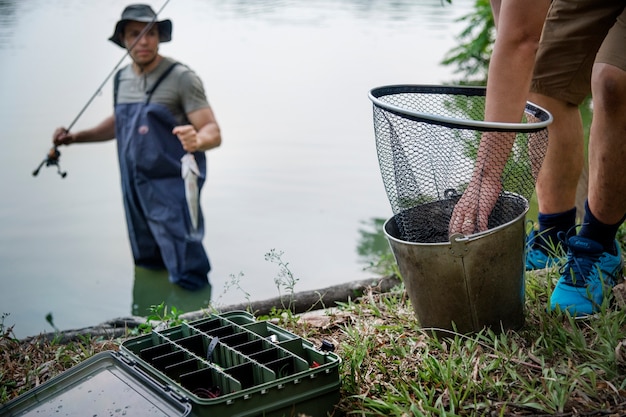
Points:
x=554 y=365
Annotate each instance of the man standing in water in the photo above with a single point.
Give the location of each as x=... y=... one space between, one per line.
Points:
x=161 y=114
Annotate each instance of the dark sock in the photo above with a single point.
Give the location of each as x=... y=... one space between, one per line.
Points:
x=550 y=225
x=599 y=232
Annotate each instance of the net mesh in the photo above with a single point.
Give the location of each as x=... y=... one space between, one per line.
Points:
x=427 y=141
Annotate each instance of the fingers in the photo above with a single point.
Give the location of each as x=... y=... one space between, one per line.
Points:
x=468 y=226
x=61 y=137
x=455 y=224
x=483 y=222
x=188 y=137
x=59 y=131
x=462 y=221
x=471 y=213
x=183 y=130
x=468 y=222
x=468 y=217
x=464 y=214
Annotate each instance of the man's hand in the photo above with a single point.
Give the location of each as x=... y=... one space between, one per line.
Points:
x=471 y=212
x=188 y=137
x=62 y=137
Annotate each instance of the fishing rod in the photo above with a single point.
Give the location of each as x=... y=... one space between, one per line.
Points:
x=53 y=155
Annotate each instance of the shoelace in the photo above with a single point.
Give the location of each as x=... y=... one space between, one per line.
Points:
x=581 y=265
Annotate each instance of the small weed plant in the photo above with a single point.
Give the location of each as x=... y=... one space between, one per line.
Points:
x=285 y=280
x=234 y=283
x=161 y=316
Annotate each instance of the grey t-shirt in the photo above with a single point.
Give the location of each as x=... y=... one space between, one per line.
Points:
x=181 y=91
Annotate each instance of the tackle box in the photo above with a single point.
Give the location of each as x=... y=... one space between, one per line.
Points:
x=224 y=365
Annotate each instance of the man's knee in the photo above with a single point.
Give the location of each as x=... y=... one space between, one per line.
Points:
x=608 y=86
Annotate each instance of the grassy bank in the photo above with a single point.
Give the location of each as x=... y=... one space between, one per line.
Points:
x=554 y=365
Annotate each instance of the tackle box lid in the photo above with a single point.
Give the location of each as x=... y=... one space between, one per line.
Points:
x=107 y=384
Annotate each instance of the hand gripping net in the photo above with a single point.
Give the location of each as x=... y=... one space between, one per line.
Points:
x=427 y=141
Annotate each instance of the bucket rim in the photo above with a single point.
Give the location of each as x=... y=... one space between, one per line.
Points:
x=460 y=237
x=376 y=93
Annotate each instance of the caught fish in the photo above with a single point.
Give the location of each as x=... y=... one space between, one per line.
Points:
x=190 y=173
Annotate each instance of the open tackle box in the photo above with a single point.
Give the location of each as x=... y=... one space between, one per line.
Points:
x=223 y=365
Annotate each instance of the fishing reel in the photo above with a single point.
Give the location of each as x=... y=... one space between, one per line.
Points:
x=51 y=159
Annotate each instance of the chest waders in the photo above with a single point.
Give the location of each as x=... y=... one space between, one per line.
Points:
x=159 y=228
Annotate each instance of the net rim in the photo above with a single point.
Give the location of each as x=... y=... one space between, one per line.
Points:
x=458 y=237
x=377 y=92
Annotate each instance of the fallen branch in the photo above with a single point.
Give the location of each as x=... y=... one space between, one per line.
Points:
x=301 y=302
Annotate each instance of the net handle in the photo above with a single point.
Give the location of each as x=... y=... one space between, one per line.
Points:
x=374 y=95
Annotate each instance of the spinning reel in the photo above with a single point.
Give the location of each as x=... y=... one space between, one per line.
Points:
x=51 y=159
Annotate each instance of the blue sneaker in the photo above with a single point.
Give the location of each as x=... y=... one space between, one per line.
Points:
x=586 y=278
x=536 y=258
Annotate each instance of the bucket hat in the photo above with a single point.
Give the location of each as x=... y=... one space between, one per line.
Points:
x=141 y=13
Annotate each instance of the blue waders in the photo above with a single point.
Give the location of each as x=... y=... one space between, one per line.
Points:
x=159 y=227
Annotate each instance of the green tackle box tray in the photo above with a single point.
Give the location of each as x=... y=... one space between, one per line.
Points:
x=226 y=365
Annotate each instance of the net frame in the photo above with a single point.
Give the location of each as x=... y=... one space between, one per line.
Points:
x=418 y=110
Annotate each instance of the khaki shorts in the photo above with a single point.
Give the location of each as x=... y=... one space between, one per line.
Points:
x=577 y=34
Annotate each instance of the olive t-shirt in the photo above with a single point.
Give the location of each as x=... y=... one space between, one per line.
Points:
x=181 y=91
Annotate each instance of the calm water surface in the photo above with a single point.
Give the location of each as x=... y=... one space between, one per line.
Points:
x=297 y=171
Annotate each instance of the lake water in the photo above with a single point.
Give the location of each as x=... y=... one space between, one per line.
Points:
x=297 y=172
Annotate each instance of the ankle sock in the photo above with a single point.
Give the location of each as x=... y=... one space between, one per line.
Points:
x=550 y=225
x=599 y=232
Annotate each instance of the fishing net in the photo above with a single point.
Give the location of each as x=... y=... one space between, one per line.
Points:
x=427 y=140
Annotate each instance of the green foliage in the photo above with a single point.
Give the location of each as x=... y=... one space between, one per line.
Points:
x=160 y=315
x=282 y=315
x=471 y=57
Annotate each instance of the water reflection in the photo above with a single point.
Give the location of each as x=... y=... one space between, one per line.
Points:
x=373 y=246
x=152 y=287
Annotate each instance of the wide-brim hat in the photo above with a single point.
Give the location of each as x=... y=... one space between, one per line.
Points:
x=141 y=13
